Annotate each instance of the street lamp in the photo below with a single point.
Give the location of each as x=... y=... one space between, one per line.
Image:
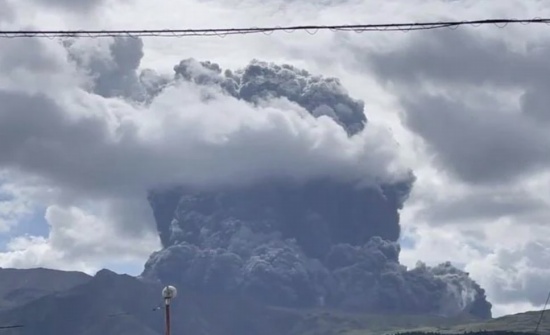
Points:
x=168 y=293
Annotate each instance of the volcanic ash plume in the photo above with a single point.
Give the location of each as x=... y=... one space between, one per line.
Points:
x=298 y=243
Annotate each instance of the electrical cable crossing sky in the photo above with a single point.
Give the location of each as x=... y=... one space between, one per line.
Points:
x=311 y=29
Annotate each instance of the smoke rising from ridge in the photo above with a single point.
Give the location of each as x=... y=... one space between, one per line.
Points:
x=299 y=244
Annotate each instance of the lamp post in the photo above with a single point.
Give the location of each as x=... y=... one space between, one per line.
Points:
x=168 y=293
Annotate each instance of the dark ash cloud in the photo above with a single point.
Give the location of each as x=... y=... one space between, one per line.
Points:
x=261 y=80
x=318 y=243
x=302 y=246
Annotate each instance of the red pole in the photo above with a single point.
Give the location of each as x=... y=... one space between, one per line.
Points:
x=168 y=293
x=167 y=313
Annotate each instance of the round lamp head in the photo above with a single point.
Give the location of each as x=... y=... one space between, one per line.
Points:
x=169 y=292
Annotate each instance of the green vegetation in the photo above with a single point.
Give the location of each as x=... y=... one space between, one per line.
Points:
x=496 y=332
x=518 y=323
x=331 y=322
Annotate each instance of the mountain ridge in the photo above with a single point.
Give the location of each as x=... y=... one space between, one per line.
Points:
x=110 y=303
x=18 y=286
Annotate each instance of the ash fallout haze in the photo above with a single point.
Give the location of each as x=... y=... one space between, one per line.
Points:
x=376 y=172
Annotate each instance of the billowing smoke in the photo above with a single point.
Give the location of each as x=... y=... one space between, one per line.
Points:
x=259 y=81
x=319 y=242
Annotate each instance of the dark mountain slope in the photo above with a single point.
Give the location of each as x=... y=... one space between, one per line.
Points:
x=120 y=304
x=111 y=304
x=19 y=286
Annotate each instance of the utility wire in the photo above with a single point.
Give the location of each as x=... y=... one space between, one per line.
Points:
x=311 y=29
x=542 y=313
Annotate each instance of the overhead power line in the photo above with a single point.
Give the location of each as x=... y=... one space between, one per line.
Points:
x=311 y=29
